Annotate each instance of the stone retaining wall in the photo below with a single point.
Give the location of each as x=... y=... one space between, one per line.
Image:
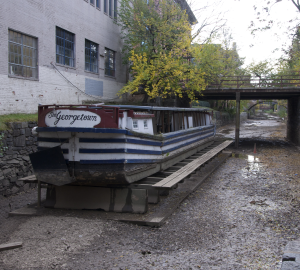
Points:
x=14 y=160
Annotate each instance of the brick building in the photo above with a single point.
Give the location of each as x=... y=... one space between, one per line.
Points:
x=54 y=51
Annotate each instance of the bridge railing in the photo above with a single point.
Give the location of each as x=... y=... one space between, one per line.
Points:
x=256 y=82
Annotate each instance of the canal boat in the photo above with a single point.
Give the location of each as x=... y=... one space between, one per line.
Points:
x=115 y=146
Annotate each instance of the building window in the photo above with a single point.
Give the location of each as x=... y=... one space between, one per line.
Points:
x=92 y=2
x=145 y=124
x=135 y=124
x=91 y=56
x=64 y=47
x=110 y=8
x=109 y=62
x=115 y=9
x=98 y=4
x=105 y=6
x=22 y=58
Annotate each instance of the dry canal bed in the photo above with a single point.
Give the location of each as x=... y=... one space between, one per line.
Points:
x=241 y=217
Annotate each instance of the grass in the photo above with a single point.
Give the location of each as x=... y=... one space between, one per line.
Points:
x=20 y=117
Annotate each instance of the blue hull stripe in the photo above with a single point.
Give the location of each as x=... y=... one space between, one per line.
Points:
x=133 y=141
x=185 y=144
x=118 y=161
x=109 y=151
x=136 y=160
x=187 y=137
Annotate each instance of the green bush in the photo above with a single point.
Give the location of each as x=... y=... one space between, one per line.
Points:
x=282 y=113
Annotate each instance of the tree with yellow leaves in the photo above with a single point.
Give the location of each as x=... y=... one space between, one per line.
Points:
x=157 y=47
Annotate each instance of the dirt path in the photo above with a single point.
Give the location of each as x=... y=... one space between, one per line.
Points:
x=240 y=218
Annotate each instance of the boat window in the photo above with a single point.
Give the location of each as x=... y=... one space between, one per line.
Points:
x=145 y=124
x=135 y=124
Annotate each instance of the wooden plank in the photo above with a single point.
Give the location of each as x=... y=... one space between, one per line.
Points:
x=196 y=165
x=10 y=246
x=154 y=178
x=186 y=170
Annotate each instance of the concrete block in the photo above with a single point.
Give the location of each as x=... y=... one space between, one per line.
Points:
x=75 y=197
x=27 y=132
x=153 y=196
x=16 y=132
x=107 y=199
x=139 y=199
x=24 y=124
x=19 y=141
x=17 y=125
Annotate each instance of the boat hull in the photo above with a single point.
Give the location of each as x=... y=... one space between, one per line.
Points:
x=114 y=157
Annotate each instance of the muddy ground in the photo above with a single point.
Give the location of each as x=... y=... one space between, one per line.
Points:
x=239 y=218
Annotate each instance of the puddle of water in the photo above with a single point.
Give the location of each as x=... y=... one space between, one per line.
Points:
x=250 y=158
x=254 y=165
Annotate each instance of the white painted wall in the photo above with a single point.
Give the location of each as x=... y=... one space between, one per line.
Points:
x=39 y=19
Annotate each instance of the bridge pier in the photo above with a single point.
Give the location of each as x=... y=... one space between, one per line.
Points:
x=237 y=119
x=293 y=120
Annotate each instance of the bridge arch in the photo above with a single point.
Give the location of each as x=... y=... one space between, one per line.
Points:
x=261 y=102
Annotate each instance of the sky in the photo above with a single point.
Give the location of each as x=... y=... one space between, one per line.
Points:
x=239 y=14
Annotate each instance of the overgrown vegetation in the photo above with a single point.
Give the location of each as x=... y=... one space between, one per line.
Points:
x=282 y=113
x=16 y=118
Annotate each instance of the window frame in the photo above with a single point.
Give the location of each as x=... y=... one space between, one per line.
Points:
x=105 y=7
x=115 y=11
x=99 y=4
x=110 y=8
x=36 y=78
x=145 y=124
x=64 y=55
x=97 y=58
x=135 y=124
x=106 y=64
